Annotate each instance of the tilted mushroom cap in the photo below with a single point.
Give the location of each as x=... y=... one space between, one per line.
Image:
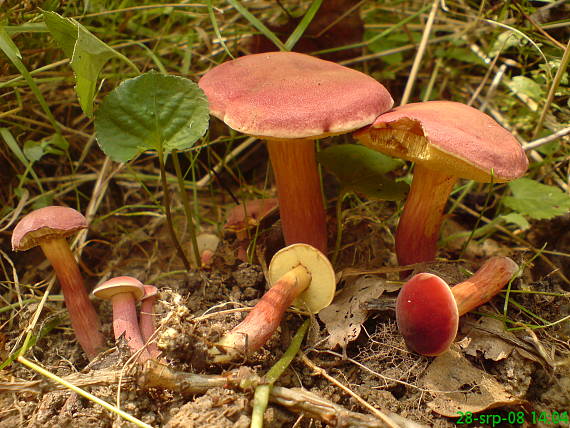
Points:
x=117 y=285
x=292 y=95
x=321 y=290
x=427 y=314
x=448 y=136
x=46 y=223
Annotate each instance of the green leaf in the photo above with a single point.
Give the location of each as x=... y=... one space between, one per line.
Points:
x=151 y=111
x=361 y=170
x=516 y=219
x=524 y=85
x=536 y=200
x=88 y=55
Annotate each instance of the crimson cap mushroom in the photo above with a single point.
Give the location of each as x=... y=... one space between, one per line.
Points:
x=49 y=227
x=124 y=292
x=428 y=310
x=291 y=99
x=147 y=319
x=447 y=141
x=300 y=275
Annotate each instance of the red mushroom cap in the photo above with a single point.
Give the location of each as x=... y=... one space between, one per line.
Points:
x=427 y=315
x=287 y=95
x=46 y=223
x=451 y=137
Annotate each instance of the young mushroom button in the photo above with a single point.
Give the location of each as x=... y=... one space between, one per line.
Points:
x=447 y=141
x=291 y=99
x=299 y=274
x=49 y=227
x=124 y=292
x=428 y=311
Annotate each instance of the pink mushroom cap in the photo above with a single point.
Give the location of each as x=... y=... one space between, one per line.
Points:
x=289 y=95
x=458 y=140
x=46 y=223
x=427 y=314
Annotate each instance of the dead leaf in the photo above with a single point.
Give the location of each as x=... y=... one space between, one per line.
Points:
x=344 y=316
x=458 y=386
x=490 y=345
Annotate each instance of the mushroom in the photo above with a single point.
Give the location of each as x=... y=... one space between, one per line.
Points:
x=291 y=99
x=124 y=292
x=147 y=319
x=300 y=275
x=447 y=141
x=207 y=245
x=428 y=310
x=49 y=227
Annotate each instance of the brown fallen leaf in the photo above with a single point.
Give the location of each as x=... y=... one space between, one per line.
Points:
x=457 y=386
x=344 y=316
x=491 y=346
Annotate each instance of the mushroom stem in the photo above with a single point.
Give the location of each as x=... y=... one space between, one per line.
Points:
x=147 y=321
x=82 y=314
x=125 y=323
x=484 y=284
x=418 y=229
x=258 y=326
x=299 y=191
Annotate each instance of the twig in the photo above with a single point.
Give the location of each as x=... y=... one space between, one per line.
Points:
x=420 y=53
x=542 y=141
x=81 y=392
x=204 y=181
x=382 y=416
x=557 y=79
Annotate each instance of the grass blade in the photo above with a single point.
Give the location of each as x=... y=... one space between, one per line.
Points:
x=258 y=24
x=303 y=25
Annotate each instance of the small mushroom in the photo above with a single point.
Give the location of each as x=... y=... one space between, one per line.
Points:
x=124 y=292
x=292 y=99
x=49 y=227
x=207 y=245
x=147 y=319
x=447 y=141
x=300 y=275
x=428 y=310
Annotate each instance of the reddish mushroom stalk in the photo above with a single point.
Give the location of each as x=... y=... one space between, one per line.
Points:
x=147 y=320
x=82 y=314
x=300 y=275
x=262 y=321
x=125 y=323
x=49 y=227
x=447 y=141
x=418 y=228
x=484 y=284
x=299 y=191
x=428 y=311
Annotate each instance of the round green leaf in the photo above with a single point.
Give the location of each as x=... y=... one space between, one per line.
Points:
x=151 y=112
x=362 y=170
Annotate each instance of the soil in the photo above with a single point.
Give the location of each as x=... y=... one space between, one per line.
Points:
x=529 y=369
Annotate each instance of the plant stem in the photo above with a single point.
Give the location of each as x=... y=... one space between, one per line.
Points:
x=261 y=396
x=186 y=205
x=175 y=241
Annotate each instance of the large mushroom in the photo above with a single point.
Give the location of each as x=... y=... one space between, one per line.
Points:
x=300 y=275
x=447 y=141
x=49 y=227
x=428 y=310
x=291 y=99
